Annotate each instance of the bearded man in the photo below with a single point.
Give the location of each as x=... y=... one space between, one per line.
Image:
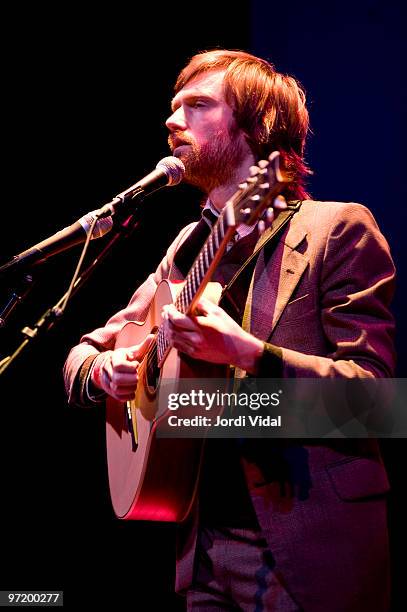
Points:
x=288 y=524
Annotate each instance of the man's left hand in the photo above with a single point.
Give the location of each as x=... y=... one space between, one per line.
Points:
x=212 y=335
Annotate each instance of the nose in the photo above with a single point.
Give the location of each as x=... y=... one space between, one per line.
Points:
x=176 y=122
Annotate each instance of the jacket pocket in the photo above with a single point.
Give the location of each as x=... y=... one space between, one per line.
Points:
x=357 y=478
x=298 y=308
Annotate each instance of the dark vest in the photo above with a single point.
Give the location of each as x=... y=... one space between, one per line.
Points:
x=223 y=495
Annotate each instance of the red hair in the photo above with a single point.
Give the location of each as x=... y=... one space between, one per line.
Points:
x=268 y=106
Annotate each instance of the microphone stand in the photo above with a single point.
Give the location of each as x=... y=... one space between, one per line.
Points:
x=47 y=320
x=18 y=294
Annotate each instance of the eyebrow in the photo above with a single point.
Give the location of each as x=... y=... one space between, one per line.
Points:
x=190 y=95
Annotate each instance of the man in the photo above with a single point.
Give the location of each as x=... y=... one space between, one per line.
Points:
x=289 y=524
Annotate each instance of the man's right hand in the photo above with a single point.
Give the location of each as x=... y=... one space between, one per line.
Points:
x=116 y=372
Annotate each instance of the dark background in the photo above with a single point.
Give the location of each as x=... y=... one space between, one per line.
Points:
x=84 y=103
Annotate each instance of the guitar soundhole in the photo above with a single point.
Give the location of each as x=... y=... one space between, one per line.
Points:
x=152 y=371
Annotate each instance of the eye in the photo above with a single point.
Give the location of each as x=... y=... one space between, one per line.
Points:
x=198 y=104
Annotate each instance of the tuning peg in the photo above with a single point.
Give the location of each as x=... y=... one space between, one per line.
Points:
x=280 y=203
x=269 y=215
x=263 y=163
x=243 y=185
x=253 y=170
x=245 y=214
x=261 y=226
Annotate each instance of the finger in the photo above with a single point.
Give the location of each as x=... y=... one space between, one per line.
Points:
x=120 y=390
x=184 y=347
x=120 y=363
x=169 y=308
x=179 y=320
x=124 y=380
x=138 y=351
x=126 y=369
x=205 y=306
x=191 y=338
x=105 y=379
x=107 y=369
x=182 y=343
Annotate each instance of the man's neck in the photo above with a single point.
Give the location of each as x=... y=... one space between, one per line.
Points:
x=220 y=195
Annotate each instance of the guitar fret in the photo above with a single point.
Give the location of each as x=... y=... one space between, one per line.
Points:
x=193 y=279
x=185 y=299
x=200 y=261
x=221 y=227
x=206 y=254
x=190 y=288
x=211 y=246
x=215 y=234
x=197 y=273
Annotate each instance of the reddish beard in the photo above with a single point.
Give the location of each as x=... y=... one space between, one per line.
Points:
x=214 y=163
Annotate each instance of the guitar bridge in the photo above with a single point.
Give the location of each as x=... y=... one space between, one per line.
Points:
x=130 y=426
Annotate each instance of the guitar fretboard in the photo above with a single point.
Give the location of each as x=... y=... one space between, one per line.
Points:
x=196 y=275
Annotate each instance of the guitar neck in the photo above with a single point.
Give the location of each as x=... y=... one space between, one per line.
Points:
x=245 y=206
x=201 y=271
x=207 y=260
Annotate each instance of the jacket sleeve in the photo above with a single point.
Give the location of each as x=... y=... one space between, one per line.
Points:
x=356 y=288
x=81 y=357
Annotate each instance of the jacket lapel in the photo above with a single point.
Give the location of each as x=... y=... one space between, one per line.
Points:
x=276 y=279
x=293 y=266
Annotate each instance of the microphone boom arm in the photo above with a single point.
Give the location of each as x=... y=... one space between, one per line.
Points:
x=51 y=315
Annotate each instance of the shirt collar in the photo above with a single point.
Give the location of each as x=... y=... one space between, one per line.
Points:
x=241 y=230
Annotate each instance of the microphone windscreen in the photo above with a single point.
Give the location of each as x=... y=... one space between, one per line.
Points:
x=173 y=168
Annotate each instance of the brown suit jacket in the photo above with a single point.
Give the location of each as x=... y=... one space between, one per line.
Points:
x=323 y=297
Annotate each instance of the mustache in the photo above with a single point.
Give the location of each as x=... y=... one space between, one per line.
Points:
x=177 y=139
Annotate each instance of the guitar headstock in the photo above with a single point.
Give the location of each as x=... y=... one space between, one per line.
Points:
x=258 y=192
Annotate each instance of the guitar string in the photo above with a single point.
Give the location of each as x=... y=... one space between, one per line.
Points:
x=199 y=266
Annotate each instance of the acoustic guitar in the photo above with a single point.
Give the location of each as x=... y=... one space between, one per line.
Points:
x=152 y=477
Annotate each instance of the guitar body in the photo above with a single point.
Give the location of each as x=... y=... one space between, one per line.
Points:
x=153 y=478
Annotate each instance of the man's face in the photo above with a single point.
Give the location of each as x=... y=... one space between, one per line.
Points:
x=203 y=133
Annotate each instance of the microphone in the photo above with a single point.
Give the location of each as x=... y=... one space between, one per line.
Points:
x=168 y=173
x=62 y=240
